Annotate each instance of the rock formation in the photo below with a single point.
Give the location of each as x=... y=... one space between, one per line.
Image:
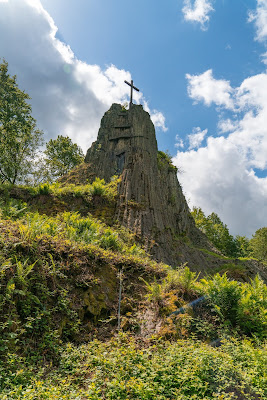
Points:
x=151 y=202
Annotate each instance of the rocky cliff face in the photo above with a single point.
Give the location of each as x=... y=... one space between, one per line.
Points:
x=151 y=202
x=150 y=199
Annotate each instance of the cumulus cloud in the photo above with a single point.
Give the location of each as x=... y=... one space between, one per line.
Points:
x=196 y=138
x=69 y=96
x=205 y=88
x=221 y=176
x=198 y=11
x=259 y=17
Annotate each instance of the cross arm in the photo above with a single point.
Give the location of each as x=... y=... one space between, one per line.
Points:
x=130 y=84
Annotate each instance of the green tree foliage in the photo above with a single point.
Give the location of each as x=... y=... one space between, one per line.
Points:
x=61 y=155
x=243 y=247
x=19 y=137
x=258 y=244
x=218 y=233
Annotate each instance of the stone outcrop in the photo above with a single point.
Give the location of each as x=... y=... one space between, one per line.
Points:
x=150 y=199
x=151 y=202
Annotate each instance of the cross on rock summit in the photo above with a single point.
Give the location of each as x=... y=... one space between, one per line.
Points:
x=132 y=87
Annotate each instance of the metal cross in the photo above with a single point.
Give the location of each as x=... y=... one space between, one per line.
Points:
x=132 y=87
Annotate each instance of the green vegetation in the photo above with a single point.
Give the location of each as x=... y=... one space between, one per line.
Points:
x=233 y=247
x=19 y=137
x=61 y=155
x=59 y=285
x=96 y=188
x=165 y=159
x=60 y=274
x=218 y=233
x=258 y=245
x=123 y=368
x=63 y=263
x=20 y=140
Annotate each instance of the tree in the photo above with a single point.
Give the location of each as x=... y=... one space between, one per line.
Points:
x=19 y=137
x=258 y=244
x=217 y=232
x=242 y=243
x=61 y=155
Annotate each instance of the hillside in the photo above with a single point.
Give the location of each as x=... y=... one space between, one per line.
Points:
x=150 y=201
x=61 y=273
x=110 y=291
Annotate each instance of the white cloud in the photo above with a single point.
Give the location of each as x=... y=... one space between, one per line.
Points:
x=179 y=142
x=227 y=125
x=205 y=88
x=158 y=120
x=198 y=11
x=259 y=17
x=196 y=138
x=157 y=117
x=220 y=177
x=69 y=96
x=264 y=58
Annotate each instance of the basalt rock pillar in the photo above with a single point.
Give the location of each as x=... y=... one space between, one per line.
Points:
x=150 y=202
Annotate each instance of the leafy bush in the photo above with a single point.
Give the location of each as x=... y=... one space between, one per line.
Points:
x=225 y=295
x=252 y=314
x=242 y=304
x=124 y=369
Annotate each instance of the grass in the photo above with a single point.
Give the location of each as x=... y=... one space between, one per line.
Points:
x=211 y=253
x=97 y=188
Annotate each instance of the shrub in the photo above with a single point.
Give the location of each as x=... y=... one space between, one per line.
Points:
x=252 y=315
x=225 y=295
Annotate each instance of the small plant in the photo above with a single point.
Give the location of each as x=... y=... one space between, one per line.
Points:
x=44 y=188
x=23 y=269
x=184 y=278
x=155 y=291
x=98 y=187
x=110 y=240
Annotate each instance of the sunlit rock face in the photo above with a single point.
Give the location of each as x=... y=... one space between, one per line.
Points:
x=150 y=202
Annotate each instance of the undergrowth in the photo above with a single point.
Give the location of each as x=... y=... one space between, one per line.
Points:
x=59 y=290
x=124 y=368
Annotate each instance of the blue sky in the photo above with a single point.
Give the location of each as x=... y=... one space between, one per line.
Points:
x=152 y=40
x=200 y=66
